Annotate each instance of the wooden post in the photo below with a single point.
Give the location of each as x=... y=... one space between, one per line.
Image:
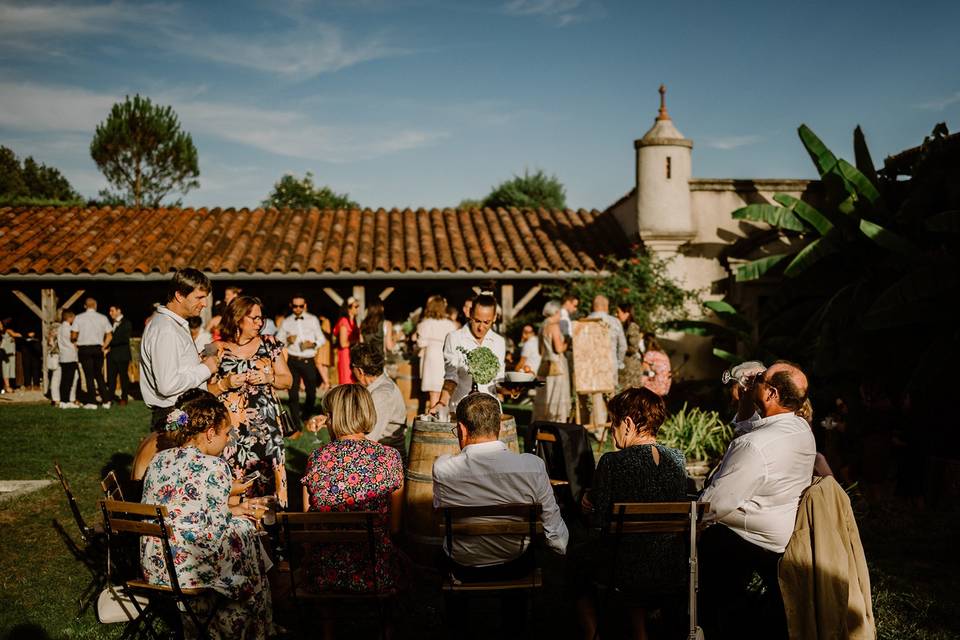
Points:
x=385 y=293
x=76 y=296
x=48 y=308
x=506 y=303
x=527 y=297
x=359 y=292
x=333 y=295
x=207 y=313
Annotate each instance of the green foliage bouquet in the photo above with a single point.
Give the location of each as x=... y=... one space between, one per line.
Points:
x=699 y=434
x=482 y=364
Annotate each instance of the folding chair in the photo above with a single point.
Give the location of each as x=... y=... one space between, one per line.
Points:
x=87 y=534
x=547 y=437
x=300 y=531
x=93 y=552
x=680 y=518
x=135 y=519
x=518 y=520
x=111 y=487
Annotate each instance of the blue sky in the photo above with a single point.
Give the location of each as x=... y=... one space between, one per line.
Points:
x=411 y=103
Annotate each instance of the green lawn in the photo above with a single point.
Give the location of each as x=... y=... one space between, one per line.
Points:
x=914 y=562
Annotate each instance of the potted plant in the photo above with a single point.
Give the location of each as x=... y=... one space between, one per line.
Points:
x=482 y=365
x=701 y=435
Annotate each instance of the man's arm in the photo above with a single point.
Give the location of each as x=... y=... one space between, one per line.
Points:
x=173 y=376
x=740 y=474
x=451 y=377
x=553 y=526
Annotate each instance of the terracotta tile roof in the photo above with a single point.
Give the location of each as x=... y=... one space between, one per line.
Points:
x=55 y=242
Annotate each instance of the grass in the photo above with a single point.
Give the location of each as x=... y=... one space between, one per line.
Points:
x=913 y=559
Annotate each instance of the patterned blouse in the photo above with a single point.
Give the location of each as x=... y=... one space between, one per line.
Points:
x=354 y=475
x=211 y=548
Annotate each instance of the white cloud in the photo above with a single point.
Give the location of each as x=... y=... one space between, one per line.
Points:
x=726 y=143
x=40 y=108
x=942 y=103
x=59 y=18
x=558 y=12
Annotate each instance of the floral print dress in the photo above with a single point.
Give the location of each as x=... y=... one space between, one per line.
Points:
x=211 y=548
x=354 y=475
x=256 y=441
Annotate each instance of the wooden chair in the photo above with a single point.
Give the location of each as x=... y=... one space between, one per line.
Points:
x=133 y=519
x=679 y=518
x=87 y=533
x=301 y=530
x=92 y=550
x=547 y=437
x=111 y=487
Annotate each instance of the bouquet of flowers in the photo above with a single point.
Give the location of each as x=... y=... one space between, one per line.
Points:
x=482 y=364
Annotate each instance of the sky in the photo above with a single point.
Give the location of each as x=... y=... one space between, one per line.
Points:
x=422 y=103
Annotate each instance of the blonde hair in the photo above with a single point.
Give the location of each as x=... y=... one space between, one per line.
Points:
x=351 y=410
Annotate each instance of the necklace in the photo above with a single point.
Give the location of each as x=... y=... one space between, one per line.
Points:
x=243 y=344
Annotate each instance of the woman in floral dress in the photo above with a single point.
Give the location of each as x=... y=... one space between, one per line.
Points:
x=214 y=545
x=251 y=368
x=352 y=473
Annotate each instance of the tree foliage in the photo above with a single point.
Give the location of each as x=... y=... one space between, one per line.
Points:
x=301 y=193
x=32 y=182
x=143 y=154
x=642 y=280
x=529 y=191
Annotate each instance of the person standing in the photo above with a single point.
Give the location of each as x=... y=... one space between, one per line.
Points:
x=346 y=333
x=457 y=381
x=391 y=411
x=568 y=308
x=302 y=335
x=377 y=330
x=431 y=332
x=8 y=354
x=618 y=341
x=93 y=333
x=552 y=402
x=118 y=359
x=529 y=361
x=68 y=359
x=631 y=375
x=169 y=362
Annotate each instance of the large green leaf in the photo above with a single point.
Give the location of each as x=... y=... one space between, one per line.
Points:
x=727 y=356
x=861 y=154
x=813 y=253
x=860 y=184
x=755 y=269
x=948 y=221
x=720 y=306
x=822 y=157
x=728 y=313
x=773 y=215
x=888 y=239
x=806 y=212
x=704 y=328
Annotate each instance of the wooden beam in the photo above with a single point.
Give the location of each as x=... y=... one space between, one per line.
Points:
x=333 y=295
x=25 y=299
x=525 y=300
x=48 y=307
x=76 y=296
x=360 y=293
x=506 y=303
x=476 y=290
x=385 y=293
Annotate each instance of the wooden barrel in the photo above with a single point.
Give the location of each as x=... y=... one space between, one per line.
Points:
x=428 y=441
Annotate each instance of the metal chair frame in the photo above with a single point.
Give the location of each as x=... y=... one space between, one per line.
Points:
x=92 y=554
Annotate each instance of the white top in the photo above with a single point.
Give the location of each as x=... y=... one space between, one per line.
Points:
x=757 y=489
x=490 y=474
x=391 y=413
x=68 y=350
x=91 y=328
x=431 y=333
x=531 y=353
x=306 y=327
x=566 y=323
x=203 y=338
x=455 y=361
x=618 y=340
x=169 y=362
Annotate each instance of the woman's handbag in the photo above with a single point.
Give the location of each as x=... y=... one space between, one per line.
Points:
x=287 y=427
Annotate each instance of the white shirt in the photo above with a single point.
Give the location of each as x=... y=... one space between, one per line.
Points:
x=391 y=413
x=203 y=338
x=169 y=362
x=489 y=474
x=306 y=327
x=566 y=325
x=618 y=341
x=757 y=489
x=455 y=361
x=68 y=350
x=531 y=353
x=91 y=328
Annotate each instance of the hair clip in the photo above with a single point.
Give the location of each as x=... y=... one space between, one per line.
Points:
x=176 y=419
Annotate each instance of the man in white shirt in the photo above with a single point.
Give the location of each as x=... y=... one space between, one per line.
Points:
x=92 y=332
x=169 y=362
x=754 y=497
x=68 y=359
x=457 y=381
x=618 y=340
x=486 y=473
x=529 y=350
x=301 y=333
x=366 y=363
x=568 y=307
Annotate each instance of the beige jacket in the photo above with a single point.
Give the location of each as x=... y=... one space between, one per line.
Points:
x=823 y=573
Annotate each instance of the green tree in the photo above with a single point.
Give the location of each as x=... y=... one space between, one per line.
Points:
x=32 y=182
x=301 y=193
x=142 y=152
x=529 y=191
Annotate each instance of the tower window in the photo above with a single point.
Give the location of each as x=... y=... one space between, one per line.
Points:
x=668 y=167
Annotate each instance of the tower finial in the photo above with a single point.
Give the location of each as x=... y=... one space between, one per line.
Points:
x=663 y=115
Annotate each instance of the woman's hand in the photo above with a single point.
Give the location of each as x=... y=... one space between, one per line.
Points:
x=316 y=423
x=259 y=376
x=234 y=381
x=585 y=504
x=249 y=510
x=239 y=487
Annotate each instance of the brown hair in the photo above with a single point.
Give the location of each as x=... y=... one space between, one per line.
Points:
x=436 y=308
x=185 y=281
x=202 y=413
x=351 y=410
x=644 y=407
x=367 y=357
x=789 y=394
x=480 y=414
x=233 y=315
x=373 y=320
x=650 y=342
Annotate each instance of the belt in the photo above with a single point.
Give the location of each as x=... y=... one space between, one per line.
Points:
x=301 y=358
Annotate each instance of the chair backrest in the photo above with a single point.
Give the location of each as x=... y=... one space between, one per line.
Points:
x=85 y=531
x=136 y=519
x=653 y=517
x=516 y=519
x=111 y=487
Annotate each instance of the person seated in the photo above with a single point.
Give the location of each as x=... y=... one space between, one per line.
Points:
x=641 y=471
x=366 y=362
x=215 y=545
x=486 y=473
x=753 y=497
x=159 y=440
x=352 y=473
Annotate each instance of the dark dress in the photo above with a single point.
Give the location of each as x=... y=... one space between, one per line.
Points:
x=645 y=563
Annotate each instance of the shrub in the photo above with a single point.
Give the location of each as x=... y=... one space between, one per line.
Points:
x=699 y=434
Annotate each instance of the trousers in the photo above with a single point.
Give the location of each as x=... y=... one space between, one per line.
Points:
x=68 y=371
x=302 y=369
x=118 y=369
x=91 y=361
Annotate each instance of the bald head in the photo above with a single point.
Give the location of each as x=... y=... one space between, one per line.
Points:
x=90 y=303
x=790 y=383
x=600 y=303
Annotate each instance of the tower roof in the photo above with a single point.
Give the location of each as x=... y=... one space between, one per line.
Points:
x=663 y=131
